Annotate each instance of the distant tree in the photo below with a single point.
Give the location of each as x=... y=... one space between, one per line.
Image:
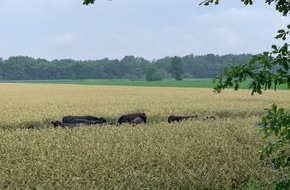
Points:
x=203 y=66
x=111 y=69
x=130 y=67
x=163 y=73
x=150 y=73
x=176 y=68
x=1 y=68
x=17 y=68
x=133 y=66
x=187 y=75
x=153 y=74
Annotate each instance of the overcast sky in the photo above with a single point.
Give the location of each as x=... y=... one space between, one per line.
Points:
x=152 y=29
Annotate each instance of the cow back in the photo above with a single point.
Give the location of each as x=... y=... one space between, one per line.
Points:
x=83 y=119
x=129 y=118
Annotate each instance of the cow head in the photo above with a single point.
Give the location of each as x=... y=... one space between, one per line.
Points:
x=56 y=123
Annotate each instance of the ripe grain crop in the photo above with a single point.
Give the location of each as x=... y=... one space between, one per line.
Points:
x=194 y=154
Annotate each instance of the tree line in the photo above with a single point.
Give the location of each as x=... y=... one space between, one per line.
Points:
x=130 y=67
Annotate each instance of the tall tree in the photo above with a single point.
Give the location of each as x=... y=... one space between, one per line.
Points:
x=153 y=74
x=1 y=68
x=176 y=68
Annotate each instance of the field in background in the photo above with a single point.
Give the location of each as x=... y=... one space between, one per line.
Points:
x=190 y=83
x=197 y=154
x=196 y=83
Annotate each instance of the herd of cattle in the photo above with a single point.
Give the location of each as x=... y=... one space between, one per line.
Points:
x=134 y=118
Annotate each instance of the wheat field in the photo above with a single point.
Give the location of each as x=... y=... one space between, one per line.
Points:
x=194 y=154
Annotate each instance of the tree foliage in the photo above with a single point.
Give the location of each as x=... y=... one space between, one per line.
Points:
x=266 y=71
x=87 y=2
x=153 y=74
x=176 y=68
x=283 y=6
x=277 y=123
x=130 y=67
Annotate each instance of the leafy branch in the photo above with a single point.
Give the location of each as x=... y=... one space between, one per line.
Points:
x=282 y=6
x=266 y=70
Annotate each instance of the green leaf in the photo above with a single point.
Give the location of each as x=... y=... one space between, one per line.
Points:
x=279 y=36
x=274 y=47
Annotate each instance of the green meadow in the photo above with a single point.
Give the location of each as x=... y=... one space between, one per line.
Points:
x=197 y=83
x=188 y=83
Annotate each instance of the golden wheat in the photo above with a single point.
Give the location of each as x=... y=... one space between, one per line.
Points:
x=194 y=154
x=35 y=102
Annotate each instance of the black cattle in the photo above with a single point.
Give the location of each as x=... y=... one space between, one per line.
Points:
x=209 y=117
x=134 y=118
x=137 y=120
x=173 y=118
x=32 y=126
x=83 y=119
x=56 y=123
x=61 y=124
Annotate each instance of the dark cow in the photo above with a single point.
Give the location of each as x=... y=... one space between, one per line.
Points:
x=83 y=119
x=56 y=123
x=134 y=118
x=137 y=120
x=61 y=124
x=173 y=118
x=209 y=117
x=32 y=126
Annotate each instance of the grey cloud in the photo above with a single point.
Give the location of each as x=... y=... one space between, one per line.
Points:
x=54 y=29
